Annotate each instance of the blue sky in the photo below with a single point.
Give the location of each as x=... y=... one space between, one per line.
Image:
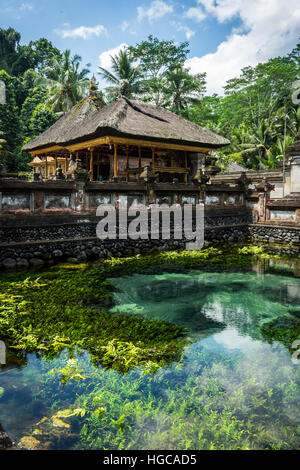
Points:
x=224 y=35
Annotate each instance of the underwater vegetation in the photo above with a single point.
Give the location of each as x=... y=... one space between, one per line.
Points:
x=98 y=358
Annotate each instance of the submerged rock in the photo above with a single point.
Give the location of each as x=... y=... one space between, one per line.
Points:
x=59 y=423
x=23 y=263
x=36 y=262
x=9 y=263
x=29 y=443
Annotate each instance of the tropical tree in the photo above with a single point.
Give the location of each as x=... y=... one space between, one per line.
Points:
x=15 y=59
x=9 y=44
x=3 y=152
x=9 y=122
x=41 y=119
x=65 y=83
x=126 y=78
x=295 y=54
x=207 y=113
x=155 y=58
x=279 y=148
x=259 y=91
x=182 y=89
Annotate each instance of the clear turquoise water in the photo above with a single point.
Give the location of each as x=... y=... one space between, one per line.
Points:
x=235 y=303
x=232 y=388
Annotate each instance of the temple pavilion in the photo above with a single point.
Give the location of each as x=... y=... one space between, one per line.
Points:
x=118 y=140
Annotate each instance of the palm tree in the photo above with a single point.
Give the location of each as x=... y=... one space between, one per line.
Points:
x=65 y=82
x=126 y=77
x=182 y=89
x=279 y=148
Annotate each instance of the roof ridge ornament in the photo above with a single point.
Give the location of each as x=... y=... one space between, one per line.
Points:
x=93 y=87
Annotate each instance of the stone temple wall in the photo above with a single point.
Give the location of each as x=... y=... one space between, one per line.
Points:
x=51 y=240
x=42 y=223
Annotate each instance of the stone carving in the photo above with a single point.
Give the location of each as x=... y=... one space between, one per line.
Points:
x=59 y=173
x=200 y=178
x=210 y=166
x=243 y=181
x=76 y=170
x=148 y=175
x=264 y=186
x=37 y=175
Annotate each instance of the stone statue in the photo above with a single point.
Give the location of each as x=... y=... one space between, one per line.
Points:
x=37 y=175
x=72 y=167
x=72 y=163
x=59 y=173
x=148 y=175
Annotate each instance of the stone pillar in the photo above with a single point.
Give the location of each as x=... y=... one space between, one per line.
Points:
x=81 y=177
x=295 y=175
x=38 y=201
x=264 y=188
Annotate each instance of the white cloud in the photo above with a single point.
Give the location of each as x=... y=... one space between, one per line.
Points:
x=84 y=32
x=16 y=12
x=268 y=29
x=124 y=25
x=195 y=13
x=26 y=7
x=157 y=9
x=188 y=32
x=104 y=57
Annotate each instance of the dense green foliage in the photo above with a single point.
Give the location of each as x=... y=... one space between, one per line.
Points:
x=41 y=83
x=256 y=114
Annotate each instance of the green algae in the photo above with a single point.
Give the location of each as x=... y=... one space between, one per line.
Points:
x=67 y=306
x=149 y=391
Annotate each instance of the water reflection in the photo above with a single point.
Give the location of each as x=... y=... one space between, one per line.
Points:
x=240 y=302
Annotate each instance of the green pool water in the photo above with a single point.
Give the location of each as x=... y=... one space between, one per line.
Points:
x=232 y=389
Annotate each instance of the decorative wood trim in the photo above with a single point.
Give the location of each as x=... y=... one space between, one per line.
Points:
x=45 y=150
x=158 y=145
x=88 y=143
x=120 y=140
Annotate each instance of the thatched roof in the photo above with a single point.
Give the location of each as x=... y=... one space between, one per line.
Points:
x=126 y=118
x=69 y=121
x=294 y=149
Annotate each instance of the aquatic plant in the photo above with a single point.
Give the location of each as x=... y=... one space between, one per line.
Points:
x=136 y=386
